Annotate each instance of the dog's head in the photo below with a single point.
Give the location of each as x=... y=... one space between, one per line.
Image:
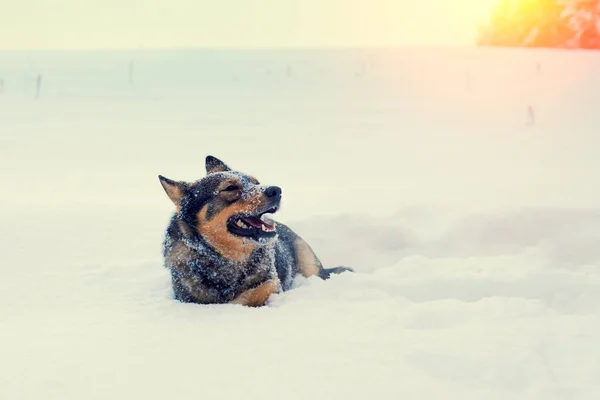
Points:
x=229 y=209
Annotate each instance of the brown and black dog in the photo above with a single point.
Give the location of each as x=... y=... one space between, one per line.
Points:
x=221 y=245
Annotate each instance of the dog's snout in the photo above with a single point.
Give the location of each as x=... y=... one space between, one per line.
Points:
x=273 y=191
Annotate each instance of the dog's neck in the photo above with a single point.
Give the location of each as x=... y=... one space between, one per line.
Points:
x=211 y=261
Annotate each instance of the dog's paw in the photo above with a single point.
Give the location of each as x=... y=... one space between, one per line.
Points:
x=258 y=296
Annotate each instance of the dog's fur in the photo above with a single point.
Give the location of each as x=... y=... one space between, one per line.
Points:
x=213 y=258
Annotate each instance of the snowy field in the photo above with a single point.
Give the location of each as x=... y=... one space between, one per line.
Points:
x=462 y=185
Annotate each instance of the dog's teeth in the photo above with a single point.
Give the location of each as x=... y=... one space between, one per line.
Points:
x=241 y=224
x=265 y=229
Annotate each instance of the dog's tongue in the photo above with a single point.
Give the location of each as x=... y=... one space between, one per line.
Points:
x=256 y=222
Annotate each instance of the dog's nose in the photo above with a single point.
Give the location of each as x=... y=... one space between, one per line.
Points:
x=273 y=191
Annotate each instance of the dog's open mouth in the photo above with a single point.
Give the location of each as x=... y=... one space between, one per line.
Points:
x=258 y=225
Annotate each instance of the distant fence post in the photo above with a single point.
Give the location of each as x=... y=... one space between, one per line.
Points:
x=1 y=86
x=38 y=86
x=362 y=71
x=530 y=116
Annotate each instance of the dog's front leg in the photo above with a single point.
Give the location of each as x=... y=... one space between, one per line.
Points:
x=259 y=295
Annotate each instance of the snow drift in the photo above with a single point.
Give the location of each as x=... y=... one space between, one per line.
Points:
x=474 y=236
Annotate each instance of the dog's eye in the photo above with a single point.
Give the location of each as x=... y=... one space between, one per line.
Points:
x=231 y=188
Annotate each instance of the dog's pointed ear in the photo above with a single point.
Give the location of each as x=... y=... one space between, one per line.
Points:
x=175 y=190
x=213 y=164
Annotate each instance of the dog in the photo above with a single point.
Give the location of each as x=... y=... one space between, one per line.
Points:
x=222 y=245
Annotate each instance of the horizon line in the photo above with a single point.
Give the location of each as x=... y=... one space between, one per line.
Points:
x=240 y=48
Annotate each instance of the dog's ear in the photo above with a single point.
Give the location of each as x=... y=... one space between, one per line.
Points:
x=213 y=164
x=175 y=190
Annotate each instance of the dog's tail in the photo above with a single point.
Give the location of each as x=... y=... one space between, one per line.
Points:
x=327 y=272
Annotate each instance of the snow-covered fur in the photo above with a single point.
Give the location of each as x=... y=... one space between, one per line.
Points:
x=221 y=245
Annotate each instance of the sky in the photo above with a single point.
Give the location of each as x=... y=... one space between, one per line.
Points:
x=126 y=24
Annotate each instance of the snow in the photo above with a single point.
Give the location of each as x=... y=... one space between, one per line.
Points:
x=474 y=236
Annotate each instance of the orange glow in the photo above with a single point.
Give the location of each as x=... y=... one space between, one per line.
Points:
x=458 y=21
x=476 y=11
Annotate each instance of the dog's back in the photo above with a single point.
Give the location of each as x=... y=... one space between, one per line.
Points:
x=294 y=256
